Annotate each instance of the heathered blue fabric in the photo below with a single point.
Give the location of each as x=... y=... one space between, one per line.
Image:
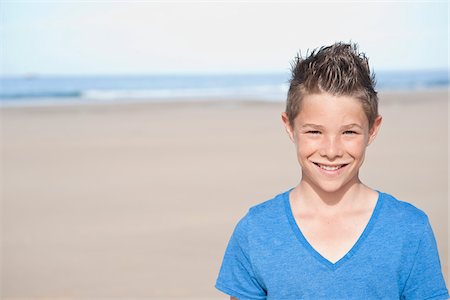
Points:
x=395 y=257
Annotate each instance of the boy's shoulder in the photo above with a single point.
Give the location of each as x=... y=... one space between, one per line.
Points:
x=266 y=211
x=269 y=207
x=263 y=218
x=400 y=211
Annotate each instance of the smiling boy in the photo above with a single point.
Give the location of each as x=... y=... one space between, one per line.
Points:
x=331 y=236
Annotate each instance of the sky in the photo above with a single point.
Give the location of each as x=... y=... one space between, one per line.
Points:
x=155 y=37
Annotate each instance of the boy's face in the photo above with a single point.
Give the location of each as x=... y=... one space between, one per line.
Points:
x=331 y=134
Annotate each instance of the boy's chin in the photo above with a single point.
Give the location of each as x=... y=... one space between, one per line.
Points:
x=331 y=187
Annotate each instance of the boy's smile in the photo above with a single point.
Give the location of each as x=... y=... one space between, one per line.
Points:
x=330 y=169
x=331 y=134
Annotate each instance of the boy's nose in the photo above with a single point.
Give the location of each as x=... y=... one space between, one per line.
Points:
x=331 y=148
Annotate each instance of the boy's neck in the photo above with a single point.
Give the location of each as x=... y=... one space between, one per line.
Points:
x=311 y=199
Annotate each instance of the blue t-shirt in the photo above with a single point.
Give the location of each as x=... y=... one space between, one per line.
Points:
x=394 y=258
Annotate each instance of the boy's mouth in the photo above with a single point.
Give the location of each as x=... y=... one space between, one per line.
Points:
x=330 y=167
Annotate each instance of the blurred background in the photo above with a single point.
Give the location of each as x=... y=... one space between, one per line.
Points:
x=135 y=134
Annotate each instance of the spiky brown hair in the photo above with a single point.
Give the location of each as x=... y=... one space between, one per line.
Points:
x=340 y=70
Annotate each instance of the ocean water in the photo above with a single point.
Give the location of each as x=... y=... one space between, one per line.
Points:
x=250 y=87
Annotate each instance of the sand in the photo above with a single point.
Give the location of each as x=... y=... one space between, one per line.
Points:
x=139 y=200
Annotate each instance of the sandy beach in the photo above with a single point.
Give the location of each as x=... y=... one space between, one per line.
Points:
x=139 y=200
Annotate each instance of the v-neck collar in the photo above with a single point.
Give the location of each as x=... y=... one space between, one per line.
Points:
x=298 y=233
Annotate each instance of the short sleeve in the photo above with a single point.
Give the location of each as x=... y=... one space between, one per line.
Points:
x=425 y=280
x=237 y=277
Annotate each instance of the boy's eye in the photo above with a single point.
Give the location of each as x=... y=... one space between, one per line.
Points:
x=350 y=132
x=313 y=132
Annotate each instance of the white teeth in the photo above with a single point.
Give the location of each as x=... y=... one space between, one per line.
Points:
x=330 y=168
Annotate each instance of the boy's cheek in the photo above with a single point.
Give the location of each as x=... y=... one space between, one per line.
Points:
x=360 y=146
x=305 y=149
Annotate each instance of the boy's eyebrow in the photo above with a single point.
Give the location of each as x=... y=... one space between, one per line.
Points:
x=311 y=125
x=352 y=125
x=320 y=126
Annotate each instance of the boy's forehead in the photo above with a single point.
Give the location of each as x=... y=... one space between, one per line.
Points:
x=323 y=109
x=326 y=102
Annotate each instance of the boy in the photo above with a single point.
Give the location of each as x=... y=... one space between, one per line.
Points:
x=331 y=236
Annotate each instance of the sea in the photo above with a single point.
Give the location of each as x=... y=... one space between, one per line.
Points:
x=54 y=90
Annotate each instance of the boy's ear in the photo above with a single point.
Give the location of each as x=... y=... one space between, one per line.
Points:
x=374 y=130
x=287 y=125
